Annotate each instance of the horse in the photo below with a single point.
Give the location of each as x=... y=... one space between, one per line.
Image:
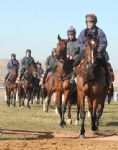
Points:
x=59 y=81
x=11 y=86
x=91 y=83
x=110 y=93
x=37 y=91
x=27 y=85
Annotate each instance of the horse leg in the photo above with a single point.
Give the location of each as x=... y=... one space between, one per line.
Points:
x=58 y=102
x=14 y=97
x=69 y=113
x=8 y=100
x=109 y=98
x=99 y=110
x=78 y=111
x=65 y=101
x=81 y=98
x=8 y=93
x=38 y=96
x=28 y=99
x=47 y=102
x=94 y=127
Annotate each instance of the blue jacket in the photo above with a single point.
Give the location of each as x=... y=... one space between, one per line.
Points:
x=12 y=63
x=102 y=40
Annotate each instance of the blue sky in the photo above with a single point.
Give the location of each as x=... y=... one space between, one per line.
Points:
x=35 y=24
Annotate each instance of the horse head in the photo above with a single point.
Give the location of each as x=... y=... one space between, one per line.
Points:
x=60 y=51
x=91 y=50
x=33 y=69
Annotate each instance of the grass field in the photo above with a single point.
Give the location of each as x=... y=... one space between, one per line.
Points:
x=35 y=119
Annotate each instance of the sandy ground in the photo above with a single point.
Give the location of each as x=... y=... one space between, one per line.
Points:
x=62 y=141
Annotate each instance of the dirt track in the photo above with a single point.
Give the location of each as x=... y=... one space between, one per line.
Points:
x=62 y=141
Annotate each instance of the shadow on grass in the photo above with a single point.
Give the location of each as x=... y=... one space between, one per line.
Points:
x=24 y=135
x=115 y=123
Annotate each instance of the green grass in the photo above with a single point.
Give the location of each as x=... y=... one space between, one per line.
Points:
x=35 y=119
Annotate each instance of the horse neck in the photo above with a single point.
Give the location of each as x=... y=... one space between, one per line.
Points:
x=14 y=72
x=32 y=69
x=64 y=67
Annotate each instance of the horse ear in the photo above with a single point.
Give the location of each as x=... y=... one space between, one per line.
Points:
x=58 y=37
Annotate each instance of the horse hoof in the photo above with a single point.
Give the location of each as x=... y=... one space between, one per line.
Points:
x=76 y=122
x=29 y=107
x=62 y=124
x=46 y=110
x=69 y=121
x=95 y=132
x=82 y=136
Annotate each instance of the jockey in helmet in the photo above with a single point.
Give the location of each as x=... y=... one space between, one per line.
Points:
x=72 y=49
x=40 y=70
x=26 y=62
x=13 y=62
x=50 y=64
x=92 y=31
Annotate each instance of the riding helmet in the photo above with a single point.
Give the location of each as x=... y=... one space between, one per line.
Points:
x=13 y=55
x=28 y=50
x=91 y=18
x=71 y=31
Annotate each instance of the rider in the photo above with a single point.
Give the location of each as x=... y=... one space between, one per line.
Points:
x=72 y=49
x=40 y=70
x=50 y=64
x=13 y=62
x=93 y=31
x=26 y=62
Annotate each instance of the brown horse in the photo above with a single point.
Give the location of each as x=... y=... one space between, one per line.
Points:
x=11 y=86
x=59 y=81
x=27 y=85
x=91 y=82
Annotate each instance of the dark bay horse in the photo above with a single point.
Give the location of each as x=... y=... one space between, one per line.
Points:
x=59 y=81
x=27 y=85
x=91 y=83
x=11 y=86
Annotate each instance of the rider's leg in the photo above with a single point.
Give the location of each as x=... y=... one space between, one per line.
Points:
x=45 y=75
x=72 y=80
x=105 y=66
x=76 y=61
x=22 y=71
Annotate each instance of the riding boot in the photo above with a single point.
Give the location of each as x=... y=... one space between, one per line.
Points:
x=72 y=79
x=105 y=66
x=45 y=75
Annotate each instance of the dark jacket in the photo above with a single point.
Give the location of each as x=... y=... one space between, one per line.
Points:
x=102 y=40
x=40 y=71
x=27 y=61
x=72 y=47
x=50 y=62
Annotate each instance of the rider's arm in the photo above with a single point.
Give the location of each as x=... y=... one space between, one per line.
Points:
x=102 y=41
x=9 y=65
x=23 y=63
x=47 y=63
x=81 y=40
